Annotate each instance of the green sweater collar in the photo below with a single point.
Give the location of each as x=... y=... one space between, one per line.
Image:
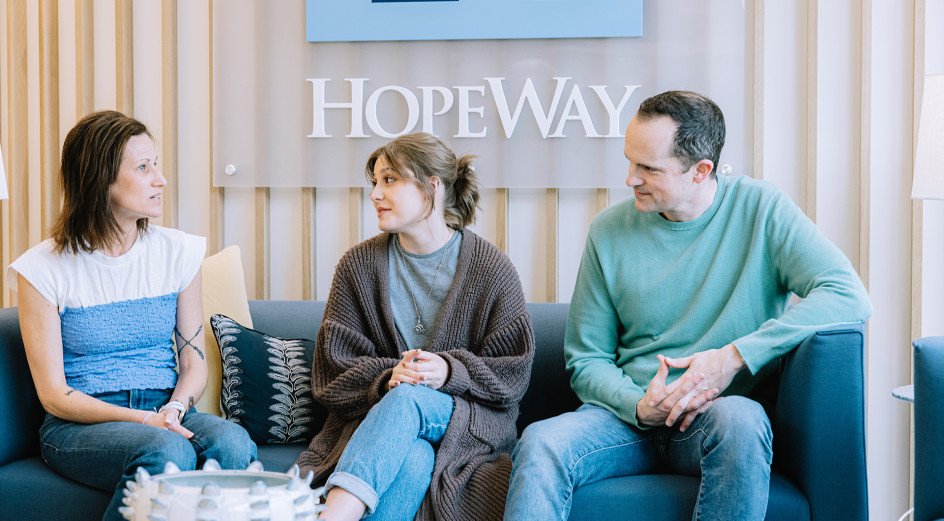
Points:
x=703 y=219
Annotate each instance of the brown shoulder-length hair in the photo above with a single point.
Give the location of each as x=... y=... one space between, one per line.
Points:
x=419 y=157
x=91 y=157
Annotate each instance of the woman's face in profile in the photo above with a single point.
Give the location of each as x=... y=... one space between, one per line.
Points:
x=400 y=204
x=137 y=191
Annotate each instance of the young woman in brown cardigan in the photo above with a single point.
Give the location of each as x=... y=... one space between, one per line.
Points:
x=423 y=354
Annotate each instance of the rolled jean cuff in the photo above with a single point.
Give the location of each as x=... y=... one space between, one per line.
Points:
x=356 y=486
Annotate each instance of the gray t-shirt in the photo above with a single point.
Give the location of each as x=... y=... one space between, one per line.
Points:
x=418 y=286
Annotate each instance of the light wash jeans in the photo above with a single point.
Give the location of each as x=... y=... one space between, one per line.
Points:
x=106 y=455
x=388 y=462
x=729 y=446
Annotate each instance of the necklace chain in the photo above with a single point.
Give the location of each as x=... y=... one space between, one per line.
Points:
x=419 y=328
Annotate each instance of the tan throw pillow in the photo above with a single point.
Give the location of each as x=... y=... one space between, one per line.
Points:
x=224 y=293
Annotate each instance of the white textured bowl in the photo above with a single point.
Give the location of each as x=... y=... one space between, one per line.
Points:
x=212 y=494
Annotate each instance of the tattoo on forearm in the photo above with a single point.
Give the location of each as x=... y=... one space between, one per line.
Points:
x=190 y=403
x=70 y=391
x=183 y=342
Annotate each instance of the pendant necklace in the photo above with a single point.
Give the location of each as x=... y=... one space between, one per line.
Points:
x=419 y=328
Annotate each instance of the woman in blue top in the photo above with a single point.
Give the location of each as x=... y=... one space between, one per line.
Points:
x=101 y=305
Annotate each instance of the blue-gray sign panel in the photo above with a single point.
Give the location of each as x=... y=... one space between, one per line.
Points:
x=386 y=20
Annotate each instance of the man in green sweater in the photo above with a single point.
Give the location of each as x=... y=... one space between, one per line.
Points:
x=680 y=305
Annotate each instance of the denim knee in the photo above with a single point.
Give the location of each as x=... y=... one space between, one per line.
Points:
x=404 y=396
x=540 y=441
x=227 y=443
x=160 y=446
x=418 y=466
x=741 y=426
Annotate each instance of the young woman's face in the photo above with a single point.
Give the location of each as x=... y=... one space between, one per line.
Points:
x=136 y=192
x=401 y=205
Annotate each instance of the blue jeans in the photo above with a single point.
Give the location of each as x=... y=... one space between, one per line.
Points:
x=729 y=446
x=388 y=462
x=106 y=455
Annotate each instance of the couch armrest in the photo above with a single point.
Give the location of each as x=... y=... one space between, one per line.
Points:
x=929 y=424
x=21 y=413
x=819 y=427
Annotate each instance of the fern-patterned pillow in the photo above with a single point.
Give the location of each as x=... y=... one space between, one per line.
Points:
x=266 y=383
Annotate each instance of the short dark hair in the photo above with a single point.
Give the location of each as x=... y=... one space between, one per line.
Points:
x=420 y=156
x=91 y=158
x=700 y=133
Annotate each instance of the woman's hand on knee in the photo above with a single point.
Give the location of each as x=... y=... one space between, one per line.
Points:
x=168 y=419
x=172 y=423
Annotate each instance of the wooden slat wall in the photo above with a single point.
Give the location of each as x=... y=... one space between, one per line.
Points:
x=168 y=143
x=17 y=219
x=124 y=56
x=829 y=138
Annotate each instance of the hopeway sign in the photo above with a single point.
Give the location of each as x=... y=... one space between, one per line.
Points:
x=537 y=112
x=466 y=106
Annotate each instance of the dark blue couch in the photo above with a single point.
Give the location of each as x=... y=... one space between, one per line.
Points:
x=928 y=427
x=819 y=439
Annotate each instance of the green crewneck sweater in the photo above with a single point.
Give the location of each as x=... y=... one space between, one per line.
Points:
x=649 y=286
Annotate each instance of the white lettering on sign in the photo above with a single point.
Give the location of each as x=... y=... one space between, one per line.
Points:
x=470 y=105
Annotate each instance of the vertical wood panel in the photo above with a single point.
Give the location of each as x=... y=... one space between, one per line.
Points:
x=103 y=46
x=216 y=202
x=917 y=215
x=812 y=101
x=16 y=222
x=757 y=58
x=169 y=108
x=891 y=58
x=865 y=144
x=84 y=58
x=309 y=244
x=49 y=113
x=552 y=202
x=33 y=129
x=501 y=218
x=603 y=199
x=261 y=239
x=917 y=206
x=124 y=57
x=6 y=141
x=355 y=208
x=836 y=150
x=194 y=123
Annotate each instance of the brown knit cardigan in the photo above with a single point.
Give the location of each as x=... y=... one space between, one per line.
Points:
x=484 y=333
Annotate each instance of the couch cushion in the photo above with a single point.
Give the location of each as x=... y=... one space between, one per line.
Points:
x=21 y=413
x=224 y=293
x=549 y=392
x=279 y=458
x=675 y=500
x=30 y=490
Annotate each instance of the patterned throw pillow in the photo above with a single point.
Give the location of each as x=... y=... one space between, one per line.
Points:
x=266 y=383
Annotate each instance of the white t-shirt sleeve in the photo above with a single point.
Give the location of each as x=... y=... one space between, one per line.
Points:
x=194 y=249
x=36 y=266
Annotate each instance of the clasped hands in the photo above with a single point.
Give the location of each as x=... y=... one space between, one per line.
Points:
x=707 y=374
x=420 y=367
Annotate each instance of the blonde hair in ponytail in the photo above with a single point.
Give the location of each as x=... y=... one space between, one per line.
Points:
x=421 y=156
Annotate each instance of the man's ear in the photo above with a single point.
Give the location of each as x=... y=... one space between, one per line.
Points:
x=703 y=170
